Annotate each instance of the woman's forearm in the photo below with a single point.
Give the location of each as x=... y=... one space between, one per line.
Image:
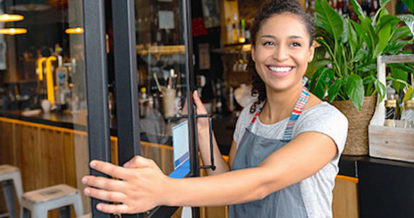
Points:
x=229 y=188
x=204 y=147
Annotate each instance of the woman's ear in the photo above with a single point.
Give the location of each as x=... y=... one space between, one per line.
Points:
x=253 y=53
x=311 y=52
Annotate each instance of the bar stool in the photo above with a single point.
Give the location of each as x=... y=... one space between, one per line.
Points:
x=9 y=177
x=40 y=201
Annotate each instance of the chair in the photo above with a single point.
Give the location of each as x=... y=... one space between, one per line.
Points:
x=39 y=202
x=9 y=177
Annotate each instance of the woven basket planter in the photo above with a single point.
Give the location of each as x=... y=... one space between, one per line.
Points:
x=358 y=121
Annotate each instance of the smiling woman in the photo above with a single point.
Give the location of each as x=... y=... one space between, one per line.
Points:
x=284 y=157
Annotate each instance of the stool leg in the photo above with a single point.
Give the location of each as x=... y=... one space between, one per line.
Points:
x=17 y=180
x=25 y=213
x=78 y=205
x=8 y=192
x=64 y=212
x=39 y=212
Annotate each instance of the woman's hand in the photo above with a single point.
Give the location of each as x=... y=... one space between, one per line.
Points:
x=202 y=123
x=142 y=186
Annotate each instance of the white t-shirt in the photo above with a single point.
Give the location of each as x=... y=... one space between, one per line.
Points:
x=324 y=118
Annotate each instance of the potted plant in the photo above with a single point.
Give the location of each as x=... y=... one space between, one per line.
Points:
x=344 y=70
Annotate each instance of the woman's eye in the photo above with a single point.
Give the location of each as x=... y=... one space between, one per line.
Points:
x=296 y=44
x=268 y=43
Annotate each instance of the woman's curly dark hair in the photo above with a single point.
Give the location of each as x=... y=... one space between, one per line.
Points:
x=269 y=9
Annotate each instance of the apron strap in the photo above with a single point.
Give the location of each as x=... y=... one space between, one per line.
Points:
x=297 y=111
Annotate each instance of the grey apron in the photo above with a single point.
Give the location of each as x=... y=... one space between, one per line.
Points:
x=252 y=150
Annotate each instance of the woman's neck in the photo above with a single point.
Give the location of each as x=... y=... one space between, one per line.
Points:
x=279 y=104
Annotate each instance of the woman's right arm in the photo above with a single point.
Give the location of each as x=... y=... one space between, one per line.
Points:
x=204 y=142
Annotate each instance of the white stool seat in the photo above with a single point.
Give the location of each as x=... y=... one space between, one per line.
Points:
x=40 y=201
x=9 y=177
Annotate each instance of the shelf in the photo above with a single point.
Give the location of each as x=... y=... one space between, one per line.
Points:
x=234 y=49
x=160 y=50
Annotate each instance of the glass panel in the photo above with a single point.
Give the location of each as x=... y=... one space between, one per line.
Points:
x=42 y=90
x=161 y=76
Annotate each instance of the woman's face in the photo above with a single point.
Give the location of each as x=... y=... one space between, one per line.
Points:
x=282 y=51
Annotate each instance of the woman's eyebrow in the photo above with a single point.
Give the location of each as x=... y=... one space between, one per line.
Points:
x=274 y=37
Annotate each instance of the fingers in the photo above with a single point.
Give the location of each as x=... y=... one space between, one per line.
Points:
x=104 y=183
x=139 y=162
x=105 y=195
x=110 y=169
x=113 y=208
x=198 y=103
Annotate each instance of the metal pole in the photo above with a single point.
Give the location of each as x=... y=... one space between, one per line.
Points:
x=192 y=119
x=125 y=58
x=96 y=87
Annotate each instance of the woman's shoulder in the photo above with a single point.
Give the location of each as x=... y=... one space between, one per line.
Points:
x=324 y=110
x=323 y=117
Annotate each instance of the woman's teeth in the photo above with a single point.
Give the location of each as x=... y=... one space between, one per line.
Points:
x=280 y=69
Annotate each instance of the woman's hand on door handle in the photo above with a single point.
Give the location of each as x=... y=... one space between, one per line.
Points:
x=138 y=186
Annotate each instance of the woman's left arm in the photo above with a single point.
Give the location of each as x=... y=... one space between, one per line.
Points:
x=142 y=184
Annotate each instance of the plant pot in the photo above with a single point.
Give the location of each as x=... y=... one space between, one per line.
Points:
x=358 y=121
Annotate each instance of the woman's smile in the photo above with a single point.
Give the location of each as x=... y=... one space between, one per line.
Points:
x=280 y=70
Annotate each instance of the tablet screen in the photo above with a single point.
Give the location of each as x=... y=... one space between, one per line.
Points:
x=181 y=150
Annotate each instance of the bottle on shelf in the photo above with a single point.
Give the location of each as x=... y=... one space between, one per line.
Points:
x=220 y=103
x=408 y=113
x=242 y=38
x=236 y=29
x=230 y=32
x=142 y=102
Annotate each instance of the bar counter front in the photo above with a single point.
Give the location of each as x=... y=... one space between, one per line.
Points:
x=43 y=147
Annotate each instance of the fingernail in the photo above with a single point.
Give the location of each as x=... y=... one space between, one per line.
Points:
x=92 y=163
x=84 y=180
x=99 y=207
x=87 y=191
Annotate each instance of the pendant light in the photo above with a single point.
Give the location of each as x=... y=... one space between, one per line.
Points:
x=10 y=17
x=75 y=30
x=13 y=31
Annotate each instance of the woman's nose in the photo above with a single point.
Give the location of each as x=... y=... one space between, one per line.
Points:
x=280 y=53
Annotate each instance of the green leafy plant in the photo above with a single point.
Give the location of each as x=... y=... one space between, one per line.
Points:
x=345 y=63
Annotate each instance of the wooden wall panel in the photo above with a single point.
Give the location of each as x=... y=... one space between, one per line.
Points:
x=345 y=198
x=69 y=159
x=28 y=139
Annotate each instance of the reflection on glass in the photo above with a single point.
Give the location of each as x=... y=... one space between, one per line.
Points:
x=161 y=76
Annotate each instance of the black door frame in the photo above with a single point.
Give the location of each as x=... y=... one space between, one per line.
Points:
x=96 y=88
x=125 y=61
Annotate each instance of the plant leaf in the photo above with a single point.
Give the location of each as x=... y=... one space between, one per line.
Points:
x=345 y=32
x=361 y=53
x=366 y=67
x=319 y=87
x=408 y=94
x=381 y=11
x=331 y=21
x=384 y=34
x=400 y=33
x=408 y=20
x=352 y=36
x=358 y=9
x=334 y=90
x=355 y=91
x=380 y=88
x=398 y=74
